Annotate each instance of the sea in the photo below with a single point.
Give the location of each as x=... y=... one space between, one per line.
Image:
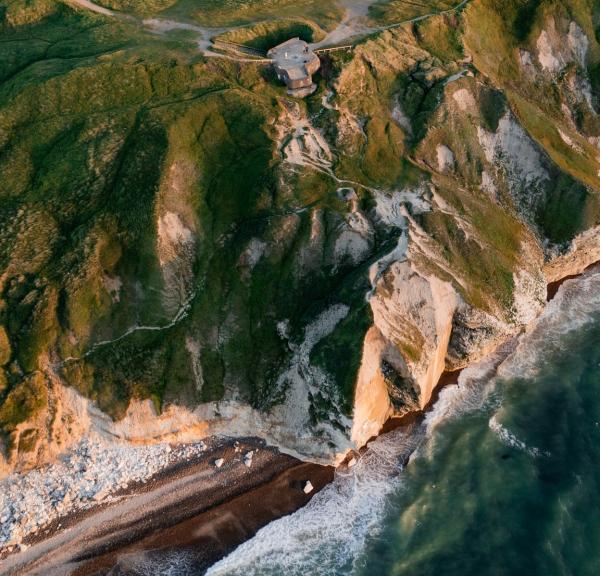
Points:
x=501 y=478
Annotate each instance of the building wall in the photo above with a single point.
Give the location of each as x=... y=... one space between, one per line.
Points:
x=295 y=84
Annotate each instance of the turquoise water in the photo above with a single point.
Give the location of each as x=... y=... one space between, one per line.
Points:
x=489 y=501
x=505 y=479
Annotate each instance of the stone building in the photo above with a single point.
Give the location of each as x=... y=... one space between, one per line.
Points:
x=295 y=63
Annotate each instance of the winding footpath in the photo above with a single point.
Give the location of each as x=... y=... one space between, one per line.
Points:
x=351 y=27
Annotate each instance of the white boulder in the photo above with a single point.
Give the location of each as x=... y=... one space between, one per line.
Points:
x=308 y=487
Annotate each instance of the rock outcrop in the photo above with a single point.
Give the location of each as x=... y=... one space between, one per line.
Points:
x=190 y=252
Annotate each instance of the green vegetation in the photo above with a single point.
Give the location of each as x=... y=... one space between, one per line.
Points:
x=151 y=235
x=392 y=11
x=137 y=6
x=494 y=34
x=24 y=402
x=268 y=34
x=5 y=350
x=441 y=36
x=487 y=269
x=217 y=13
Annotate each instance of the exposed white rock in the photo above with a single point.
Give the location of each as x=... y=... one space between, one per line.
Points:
x=301 y=380
x=578 y=43
x=390 y=208
x=372 y=405
x=219 y=462
x=248 y=459
x=488 y=185
x=511 y=149
x=527 y=62
x=529 y=297
x=308 y=487
x=401 y=118
x=299 y=142
x=88 y=474
x=172 y=232
x=355 y=239
x=584 y=251
x=175 y=249
x=549 y=61
x=581 y=91
x=445 y=158
x=112 y=284
x=557 y=50
x=569 y=141
x=194 y=350
x=413 y=311
x=464 y=99
x=253 y=253
x=352 y=245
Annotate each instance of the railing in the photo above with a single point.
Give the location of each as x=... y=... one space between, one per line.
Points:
x=334 y=49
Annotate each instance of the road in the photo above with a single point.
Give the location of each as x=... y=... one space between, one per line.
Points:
x=352 y=25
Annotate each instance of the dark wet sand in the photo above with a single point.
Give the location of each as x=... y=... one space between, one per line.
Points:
x=196 y=507
x=211 y=535
x=193 y=507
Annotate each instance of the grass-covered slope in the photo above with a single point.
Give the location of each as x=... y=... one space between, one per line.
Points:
x=173 y=227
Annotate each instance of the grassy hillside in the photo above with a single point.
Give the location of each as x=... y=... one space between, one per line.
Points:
x=161 y=237
x=392 y=11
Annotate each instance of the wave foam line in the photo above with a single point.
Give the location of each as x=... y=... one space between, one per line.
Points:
x=328 y=534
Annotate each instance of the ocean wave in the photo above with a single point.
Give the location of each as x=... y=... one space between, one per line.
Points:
x=475 y=391
x=576 y=305
x=510 y=439
x=328 y=534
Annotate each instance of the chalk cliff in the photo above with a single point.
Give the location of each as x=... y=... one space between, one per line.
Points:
x=185 y=250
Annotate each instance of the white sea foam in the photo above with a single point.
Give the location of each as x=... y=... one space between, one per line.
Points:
x=575 y=305
x=510 y=439
x=327 y=535
x=474 y=392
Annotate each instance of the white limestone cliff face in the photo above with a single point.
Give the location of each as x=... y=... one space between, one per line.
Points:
x=412 y=317
x=583 y=252
x=562 y=57
x=421 y=327
x=421 y=324
x=513 y=157
x=555 y=49
x=372 y=405
x=415 y=313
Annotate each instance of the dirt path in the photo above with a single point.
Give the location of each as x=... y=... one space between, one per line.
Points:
x=354 y=22
x=352 y=25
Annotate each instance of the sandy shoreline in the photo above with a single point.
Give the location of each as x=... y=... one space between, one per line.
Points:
x=194 y=505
